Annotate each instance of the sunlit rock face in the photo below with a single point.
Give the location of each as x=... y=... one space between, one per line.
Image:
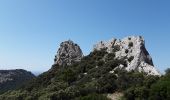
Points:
x=68 y=53
x=132 y=49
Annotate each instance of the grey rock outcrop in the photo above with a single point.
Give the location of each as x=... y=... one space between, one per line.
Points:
x=68 y=53
x=133 y=50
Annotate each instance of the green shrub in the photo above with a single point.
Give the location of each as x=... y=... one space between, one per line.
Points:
x=126 y=50
x=116 y=48
x=130 y=58
x=130 y=44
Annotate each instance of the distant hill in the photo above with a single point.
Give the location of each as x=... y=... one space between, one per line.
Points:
x=36 y=73
x=12 y=79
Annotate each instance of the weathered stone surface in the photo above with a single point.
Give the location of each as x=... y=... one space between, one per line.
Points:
x=133 y=50
x=68 y=53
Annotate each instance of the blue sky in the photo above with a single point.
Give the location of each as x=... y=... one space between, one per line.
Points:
x=31 y=30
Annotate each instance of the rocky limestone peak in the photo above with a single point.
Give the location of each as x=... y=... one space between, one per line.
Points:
x=132 y=49
x=68 y=53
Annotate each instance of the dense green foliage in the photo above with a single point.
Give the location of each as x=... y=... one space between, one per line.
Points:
x=90 y=76
x=92 y=79
x=151 y=88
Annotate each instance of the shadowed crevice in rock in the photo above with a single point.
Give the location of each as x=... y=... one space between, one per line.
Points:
x=145 y=56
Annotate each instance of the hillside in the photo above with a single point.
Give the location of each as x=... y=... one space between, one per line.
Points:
x=93 y=77
x=12 y=79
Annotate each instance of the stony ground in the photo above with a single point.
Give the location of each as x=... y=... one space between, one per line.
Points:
x=115 y=96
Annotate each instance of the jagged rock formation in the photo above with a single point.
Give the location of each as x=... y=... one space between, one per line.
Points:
x=11 y=79
x=133 y=50
x=68 y=53
x=96 y=74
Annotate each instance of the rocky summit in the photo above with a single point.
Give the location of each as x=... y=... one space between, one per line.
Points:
x=133 y=50
x=68 y=53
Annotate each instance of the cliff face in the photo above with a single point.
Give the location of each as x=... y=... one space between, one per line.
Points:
x=11 y=79
x=68 y=53
x=133 y=50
